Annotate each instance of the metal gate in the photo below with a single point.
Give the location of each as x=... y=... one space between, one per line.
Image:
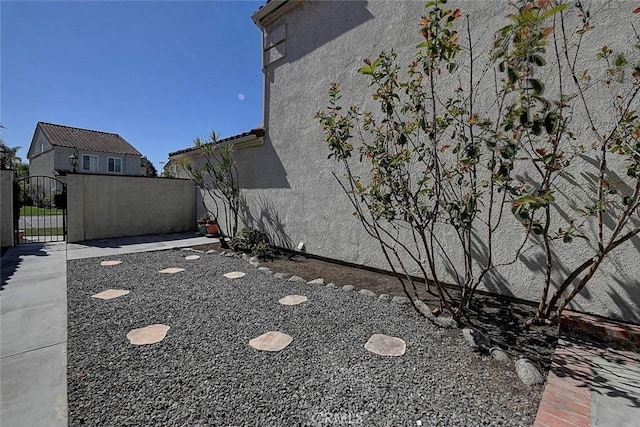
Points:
x=40 y=209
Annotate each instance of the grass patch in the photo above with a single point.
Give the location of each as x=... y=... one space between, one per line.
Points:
x=34 y=210
x=54 y=231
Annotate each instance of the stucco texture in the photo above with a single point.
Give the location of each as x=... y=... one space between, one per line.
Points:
x=103 y=206
x=287 y=183
x=6 y=208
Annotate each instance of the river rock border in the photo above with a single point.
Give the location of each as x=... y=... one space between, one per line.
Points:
x=526 y=370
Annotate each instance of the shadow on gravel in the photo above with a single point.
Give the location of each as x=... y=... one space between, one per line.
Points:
x=134 y=240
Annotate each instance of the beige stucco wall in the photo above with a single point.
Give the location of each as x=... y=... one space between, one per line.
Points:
x=287 y=183
x=58 y=159
x=101 y=206
x=130 y=163
x=42 y=164
x=6 y=208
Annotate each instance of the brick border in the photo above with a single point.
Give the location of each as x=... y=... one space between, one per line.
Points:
x=566 y=400
x=612 y=333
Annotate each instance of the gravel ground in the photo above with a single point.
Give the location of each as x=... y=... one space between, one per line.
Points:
x=205 y=373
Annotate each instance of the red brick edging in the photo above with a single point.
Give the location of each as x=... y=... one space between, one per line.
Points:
x=566 y=400
x=608 y=331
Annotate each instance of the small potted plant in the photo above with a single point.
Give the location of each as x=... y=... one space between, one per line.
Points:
x=202 y=223
x=212 y=228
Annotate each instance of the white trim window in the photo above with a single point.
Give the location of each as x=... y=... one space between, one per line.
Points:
x=114 y=164
x=89 y=163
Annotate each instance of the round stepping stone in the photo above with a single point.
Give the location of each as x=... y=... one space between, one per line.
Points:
x=111 y=293
x=171 y=270
x=192 y=257
x=293 y=300
x=271 y=341
x=148 y=335
x=384 y=345
x=296 y=279
x=318 y=281
x=234 y=275
x=107 y=263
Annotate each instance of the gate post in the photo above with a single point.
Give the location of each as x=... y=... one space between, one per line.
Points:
x=6 y=209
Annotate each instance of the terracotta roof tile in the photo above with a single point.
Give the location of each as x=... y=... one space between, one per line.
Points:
x=259 y=132
x=85 y=139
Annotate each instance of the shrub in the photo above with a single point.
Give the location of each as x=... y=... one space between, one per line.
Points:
x=253 y=241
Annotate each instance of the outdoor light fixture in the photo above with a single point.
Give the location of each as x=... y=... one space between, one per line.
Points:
x=3 y=157
x=73 y=161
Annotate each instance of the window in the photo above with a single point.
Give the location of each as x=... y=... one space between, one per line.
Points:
x=114 y=165
x=89 y=163
x=275 y=44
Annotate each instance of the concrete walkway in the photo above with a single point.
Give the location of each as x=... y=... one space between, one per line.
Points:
x=588 y=385
x=33 y=322
x=33 y=336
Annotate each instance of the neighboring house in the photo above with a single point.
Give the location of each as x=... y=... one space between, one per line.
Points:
x=97 y=152
x=288 y=185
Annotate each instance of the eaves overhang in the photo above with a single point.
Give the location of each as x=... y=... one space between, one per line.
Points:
x=253 y=138
x=272 y=11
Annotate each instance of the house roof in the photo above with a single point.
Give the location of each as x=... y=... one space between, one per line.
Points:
x=272 y=10
x=257 y=132
x=86 y=139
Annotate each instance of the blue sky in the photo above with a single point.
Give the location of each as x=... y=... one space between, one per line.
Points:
x=159 y=73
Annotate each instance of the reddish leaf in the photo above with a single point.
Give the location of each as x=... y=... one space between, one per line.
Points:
x=636 y=10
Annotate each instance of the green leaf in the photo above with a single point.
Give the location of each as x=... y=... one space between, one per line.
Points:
x=536 y=127
x=513 y=74
x=366 y=70
x=550 y=123
x=620 y=60
x=548 y=196
x=538 y=60
x=537 y=86
x=553 y=10
x=434 y=3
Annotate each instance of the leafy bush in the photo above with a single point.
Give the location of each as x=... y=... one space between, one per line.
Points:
x=441 y=168
x=253 y=241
